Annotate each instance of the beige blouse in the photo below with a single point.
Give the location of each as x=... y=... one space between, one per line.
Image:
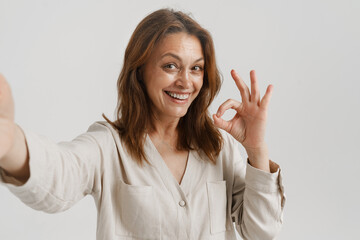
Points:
x=148 y=203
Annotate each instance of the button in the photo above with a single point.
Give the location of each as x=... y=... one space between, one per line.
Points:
x=182 y=203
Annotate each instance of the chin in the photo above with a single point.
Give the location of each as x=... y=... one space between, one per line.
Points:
x=179 y=114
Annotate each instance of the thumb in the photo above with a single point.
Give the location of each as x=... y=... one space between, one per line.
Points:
x=221 y=123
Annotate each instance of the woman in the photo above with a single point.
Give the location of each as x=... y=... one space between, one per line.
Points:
x=162 y=169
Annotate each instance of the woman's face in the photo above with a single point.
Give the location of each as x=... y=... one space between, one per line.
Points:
x=173 y=75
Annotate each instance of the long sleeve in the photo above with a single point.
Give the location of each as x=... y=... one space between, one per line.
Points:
x=209 y=198
x=60 y=173
x=257 y=200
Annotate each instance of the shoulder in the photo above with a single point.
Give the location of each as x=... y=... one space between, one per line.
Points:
x=107 y=136
x=231 y=149
x=100 y=127
x=101 y=132
x=229 y=141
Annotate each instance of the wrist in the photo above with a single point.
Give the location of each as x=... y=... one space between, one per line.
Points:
x=257 y=151
x=8 y=136
x=259 y=157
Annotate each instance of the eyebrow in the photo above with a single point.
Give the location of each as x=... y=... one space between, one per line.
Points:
x=177 y=57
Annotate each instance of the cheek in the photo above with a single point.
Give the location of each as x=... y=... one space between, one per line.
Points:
x=154 y=83
x=161 y=80
x=199 y=83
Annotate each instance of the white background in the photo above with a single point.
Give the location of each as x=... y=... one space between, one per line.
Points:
x=62 y=60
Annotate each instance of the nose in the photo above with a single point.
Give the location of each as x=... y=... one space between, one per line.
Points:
x=184 y=79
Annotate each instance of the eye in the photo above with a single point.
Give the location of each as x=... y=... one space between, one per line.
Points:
x=197 y=68
x=170 y=66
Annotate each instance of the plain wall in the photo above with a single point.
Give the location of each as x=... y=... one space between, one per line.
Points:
x=62 y=60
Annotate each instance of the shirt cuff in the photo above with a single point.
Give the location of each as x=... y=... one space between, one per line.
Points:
x=260 y=180
x=5 y=179
x=36 y=157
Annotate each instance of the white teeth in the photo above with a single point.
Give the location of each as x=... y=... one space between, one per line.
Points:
x=178 y=96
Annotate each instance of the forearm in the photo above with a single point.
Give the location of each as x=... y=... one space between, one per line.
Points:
x=61 y=173
x=261 y=216
x=16 y=161
x=259 y=158
x=262 y=207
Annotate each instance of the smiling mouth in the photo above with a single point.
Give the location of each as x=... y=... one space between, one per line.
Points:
x=178 y=96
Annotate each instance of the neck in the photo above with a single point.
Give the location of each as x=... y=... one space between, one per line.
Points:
x=165 y=129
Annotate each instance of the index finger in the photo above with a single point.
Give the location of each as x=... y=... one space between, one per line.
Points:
x=244 y=90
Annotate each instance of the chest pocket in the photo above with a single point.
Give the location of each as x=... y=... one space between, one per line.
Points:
x=217 y=206
x=139 y=215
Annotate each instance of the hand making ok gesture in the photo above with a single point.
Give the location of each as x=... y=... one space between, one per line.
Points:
x=249 y=123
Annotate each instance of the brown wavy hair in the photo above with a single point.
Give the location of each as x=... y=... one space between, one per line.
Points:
x=134 y=114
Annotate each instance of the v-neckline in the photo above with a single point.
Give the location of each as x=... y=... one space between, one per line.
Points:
x=161 y=164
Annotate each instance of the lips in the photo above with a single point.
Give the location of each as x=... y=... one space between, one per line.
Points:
x=178 y=96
